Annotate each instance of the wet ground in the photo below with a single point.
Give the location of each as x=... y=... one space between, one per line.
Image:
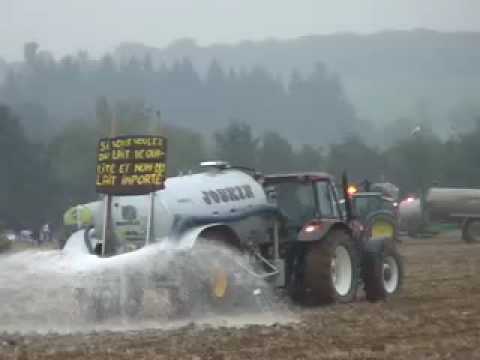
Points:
x=436 y=316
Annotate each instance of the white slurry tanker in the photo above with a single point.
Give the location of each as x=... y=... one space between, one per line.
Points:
x=193 y=202
x=290 y=228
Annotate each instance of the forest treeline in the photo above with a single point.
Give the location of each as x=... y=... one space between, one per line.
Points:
x=48 y=94
x=40 y=180
x=386 y=74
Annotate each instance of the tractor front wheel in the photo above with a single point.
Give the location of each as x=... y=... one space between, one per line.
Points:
x=382 y=272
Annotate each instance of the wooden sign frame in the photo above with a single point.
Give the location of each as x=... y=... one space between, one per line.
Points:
x=131 y=165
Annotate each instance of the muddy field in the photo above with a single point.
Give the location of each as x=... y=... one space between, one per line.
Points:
x=437 y=315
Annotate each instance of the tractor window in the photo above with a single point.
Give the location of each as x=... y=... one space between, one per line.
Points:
x=388 y=205
x=361 y=206
x=325 y=200
x=296 y=201
x=364 y=205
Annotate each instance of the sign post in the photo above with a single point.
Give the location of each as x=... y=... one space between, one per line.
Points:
x=107 y=231
x=130 y=165
x=150 y=218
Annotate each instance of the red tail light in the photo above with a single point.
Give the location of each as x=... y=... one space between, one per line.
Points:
x=312 y=230
x=312 y=226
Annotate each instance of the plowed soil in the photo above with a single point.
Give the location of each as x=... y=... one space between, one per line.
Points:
x=436 y=316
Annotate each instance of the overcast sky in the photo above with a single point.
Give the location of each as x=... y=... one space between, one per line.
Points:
x=65 y=26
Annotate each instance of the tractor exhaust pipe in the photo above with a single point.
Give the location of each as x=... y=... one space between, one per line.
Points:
x=348 y=202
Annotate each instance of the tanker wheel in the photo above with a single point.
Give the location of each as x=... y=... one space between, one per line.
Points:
x=331 y=271
x=210 y=280
x=222 y=287
x=382 y=273
x=471 y=231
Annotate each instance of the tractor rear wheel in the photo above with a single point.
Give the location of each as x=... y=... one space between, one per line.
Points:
x=382 y=272
x=331 y=270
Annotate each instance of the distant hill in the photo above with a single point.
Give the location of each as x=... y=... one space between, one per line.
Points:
x=421 y=74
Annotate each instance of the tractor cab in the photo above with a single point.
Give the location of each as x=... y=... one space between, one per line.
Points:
x=365 y=203
x=304 y=200
x=377 y=213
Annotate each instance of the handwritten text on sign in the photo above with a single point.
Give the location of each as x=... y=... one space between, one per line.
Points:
x=131 y=165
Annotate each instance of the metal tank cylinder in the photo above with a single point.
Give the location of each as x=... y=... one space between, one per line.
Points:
x=444 y=204
x=214 y=193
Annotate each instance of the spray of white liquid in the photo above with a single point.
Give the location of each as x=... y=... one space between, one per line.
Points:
x=46 y=291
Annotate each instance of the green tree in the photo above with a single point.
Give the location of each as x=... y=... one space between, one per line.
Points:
x=30 y=52
x=26 y=178
x=415 y=162
x=460 y=161
x=186 y=149
x=104 y=117
x=309 y=158
x=132 y=117
x=125 y=117
x=275 y=154
x=72 y=155
x=396 y=131
x=360 y=160
x=237 y=145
